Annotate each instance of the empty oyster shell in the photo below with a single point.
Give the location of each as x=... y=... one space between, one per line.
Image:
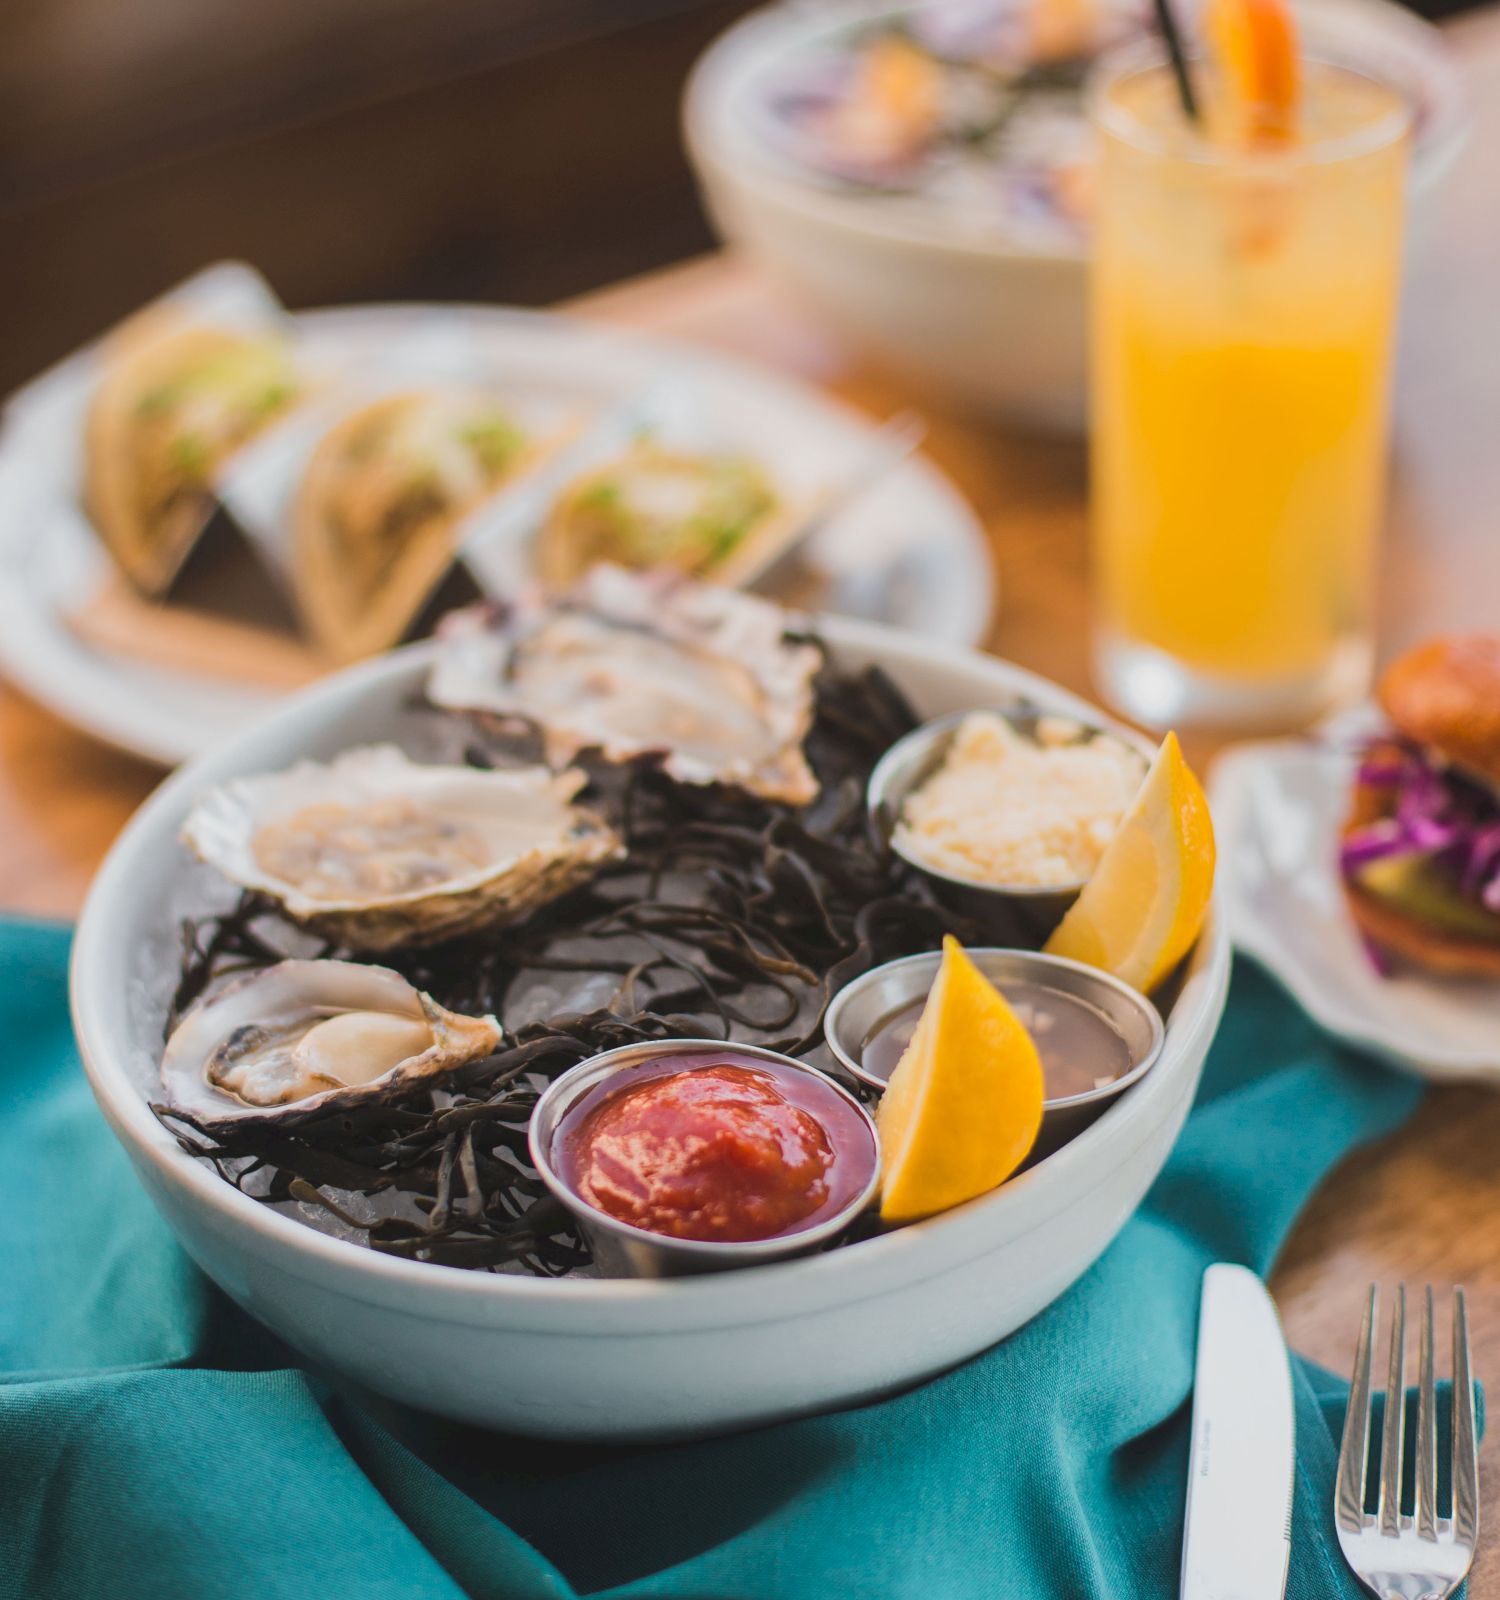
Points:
x=643 y=664
x=309 y=1035
x=375 y=850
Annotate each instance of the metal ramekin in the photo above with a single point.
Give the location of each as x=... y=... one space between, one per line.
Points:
x=1012 y=913
x=860 y=1006
x=622 y=1250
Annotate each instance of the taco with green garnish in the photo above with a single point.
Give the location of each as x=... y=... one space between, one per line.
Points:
x=653 y=507
x=375 y=518
x=175 y=402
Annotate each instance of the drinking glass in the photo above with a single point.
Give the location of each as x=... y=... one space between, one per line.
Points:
x=1243 y=308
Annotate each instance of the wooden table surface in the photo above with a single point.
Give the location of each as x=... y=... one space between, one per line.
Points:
x=1424 y=1205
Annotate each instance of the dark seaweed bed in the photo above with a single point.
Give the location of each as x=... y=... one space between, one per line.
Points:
x=730 y=917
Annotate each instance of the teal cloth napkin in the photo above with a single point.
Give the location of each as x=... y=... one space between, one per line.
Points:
x=156 y=1442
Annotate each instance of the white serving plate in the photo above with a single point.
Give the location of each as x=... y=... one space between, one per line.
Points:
x=617 y=1359
x=1279 y=807
x=945 y=298
x=911 y=552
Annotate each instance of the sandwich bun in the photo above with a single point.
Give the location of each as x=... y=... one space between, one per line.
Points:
x=1446 y=695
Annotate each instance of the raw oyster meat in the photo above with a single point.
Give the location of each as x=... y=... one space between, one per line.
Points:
x=375 y=851
x=633 y=665
x=307 y=1035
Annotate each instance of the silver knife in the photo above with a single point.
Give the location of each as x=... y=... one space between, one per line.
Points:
x=1240 y=1475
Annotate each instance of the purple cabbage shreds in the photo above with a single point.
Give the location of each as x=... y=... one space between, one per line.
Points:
x=1373 y=843
x=1481 y=874
x=1381 y=771
x=1378 y=957
x=1435 y=812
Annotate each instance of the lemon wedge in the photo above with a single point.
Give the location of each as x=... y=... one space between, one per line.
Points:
x=964 y=1104
x=1140 y=912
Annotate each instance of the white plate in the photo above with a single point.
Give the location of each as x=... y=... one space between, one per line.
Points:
x=622 y=1358
x=911 y=552
x=1278 y=809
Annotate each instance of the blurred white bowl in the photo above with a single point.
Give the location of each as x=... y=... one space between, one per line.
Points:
x=944 y=299
x=614 y=1359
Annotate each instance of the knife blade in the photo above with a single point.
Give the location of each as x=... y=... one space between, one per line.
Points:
x=1241 y=1471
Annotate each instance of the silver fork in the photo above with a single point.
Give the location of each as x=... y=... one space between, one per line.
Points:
x=1422 y=1556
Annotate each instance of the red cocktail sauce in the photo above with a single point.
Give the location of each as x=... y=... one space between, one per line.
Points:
x=724 y=1148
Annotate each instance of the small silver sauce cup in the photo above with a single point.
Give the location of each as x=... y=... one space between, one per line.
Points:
x=861 y=1006
x=622 y=1250
x=1012 y=913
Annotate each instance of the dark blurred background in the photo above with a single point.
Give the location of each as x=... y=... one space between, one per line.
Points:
x=515 y=150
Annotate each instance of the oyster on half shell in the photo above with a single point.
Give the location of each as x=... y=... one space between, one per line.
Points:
x=634 y=665
x=308 y=1035
x=375 y=850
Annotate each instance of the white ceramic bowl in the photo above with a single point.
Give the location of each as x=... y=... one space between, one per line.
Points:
x=947 y=301
x=620 y=1359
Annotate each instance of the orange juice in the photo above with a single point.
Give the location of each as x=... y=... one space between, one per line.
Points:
x=1243 y=310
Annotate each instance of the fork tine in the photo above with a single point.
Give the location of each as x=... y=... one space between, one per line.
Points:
x=1465 y=1438
x=1392 y=1435
x=1354 y=1451
x=1426 y=1506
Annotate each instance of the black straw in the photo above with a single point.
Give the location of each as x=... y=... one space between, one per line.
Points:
x=1168 y=24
